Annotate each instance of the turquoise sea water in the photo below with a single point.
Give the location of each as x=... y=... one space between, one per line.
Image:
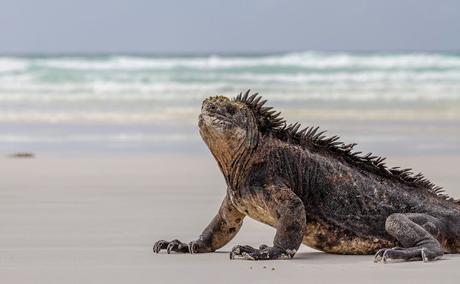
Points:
x=400 y=102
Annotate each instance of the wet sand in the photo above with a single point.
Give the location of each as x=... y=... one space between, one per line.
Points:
x=94 y=219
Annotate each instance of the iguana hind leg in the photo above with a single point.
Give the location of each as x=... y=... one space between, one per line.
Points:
x=288 y=210
x=417 y=234
x=220 y=231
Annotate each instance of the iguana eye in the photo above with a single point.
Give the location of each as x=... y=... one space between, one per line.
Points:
x=231 y=109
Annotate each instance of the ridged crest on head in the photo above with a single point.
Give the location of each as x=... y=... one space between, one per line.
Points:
x=266 y=116
x=271 y=121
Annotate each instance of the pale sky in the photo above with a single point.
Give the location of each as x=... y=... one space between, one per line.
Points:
x=234 y=26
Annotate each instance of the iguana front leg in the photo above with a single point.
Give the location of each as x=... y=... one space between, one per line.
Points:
x=219 y=232
x=289 y=212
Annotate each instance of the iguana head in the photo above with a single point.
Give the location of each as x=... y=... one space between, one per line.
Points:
x=224 y=125
x=231 y=127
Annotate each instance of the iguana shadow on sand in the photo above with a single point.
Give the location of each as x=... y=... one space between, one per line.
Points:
x=315 y=190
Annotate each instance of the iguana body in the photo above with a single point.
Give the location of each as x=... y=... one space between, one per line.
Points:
x=315 y=190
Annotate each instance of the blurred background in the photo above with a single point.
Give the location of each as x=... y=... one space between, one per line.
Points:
x=129 y=77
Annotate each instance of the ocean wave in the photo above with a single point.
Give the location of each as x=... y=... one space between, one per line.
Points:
x=91 y=138
x=98 y=116
x=10 y=64
x=303 y=60
x=109 y=96
x=96 y=87
x=336 y=76
x=214 y=84
x=344 y=77
x=308 y=60
x=159 y=98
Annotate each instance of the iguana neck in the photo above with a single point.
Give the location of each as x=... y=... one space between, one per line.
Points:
x=233 y=163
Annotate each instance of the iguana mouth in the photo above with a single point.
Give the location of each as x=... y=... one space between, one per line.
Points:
x=216 y=118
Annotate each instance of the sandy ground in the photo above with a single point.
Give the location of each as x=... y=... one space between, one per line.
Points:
x=93 y=219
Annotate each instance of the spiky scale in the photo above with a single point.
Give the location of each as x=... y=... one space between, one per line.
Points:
x=295 y=127
x=275 y=115
x=259 y=105
x=258 y=98
x=313 y=131
x=264 y=110
x=335 y=144
x=333 y=139
x=245 y=97
x=302 y=132
x=318 y=136
x=251 y=98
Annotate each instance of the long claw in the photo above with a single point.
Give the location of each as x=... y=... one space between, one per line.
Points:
x=247 y=256
x=170 y=247
x=424 y=256
x=385 y=255
x=378 y=255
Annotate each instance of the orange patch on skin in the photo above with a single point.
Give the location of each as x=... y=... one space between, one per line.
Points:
x=322 y=238
x=252 y=209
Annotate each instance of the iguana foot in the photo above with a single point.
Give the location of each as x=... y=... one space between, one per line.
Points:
x=172 y=246
x=177 y=246
x=263 y=253
x=416 y=233
x=406 y=254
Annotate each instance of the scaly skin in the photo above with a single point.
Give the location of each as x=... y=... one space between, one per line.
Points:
x=314 y=190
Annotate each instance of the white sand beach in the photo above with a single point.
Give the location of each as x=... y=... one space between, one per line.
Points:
x=94 y=219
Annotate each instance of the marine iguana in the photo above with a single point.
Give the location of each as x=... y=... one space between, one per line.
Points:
x=315 y=190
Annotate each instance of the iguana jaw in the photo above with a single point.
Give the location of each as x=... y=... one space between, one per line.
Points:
x=221 y=131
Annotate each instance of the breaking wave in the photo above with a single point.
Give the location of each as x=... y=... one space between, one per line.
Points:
x=311 y=60
x=104 y=83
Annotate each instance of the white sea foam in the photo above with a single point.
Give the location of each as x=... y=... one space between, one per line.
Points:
x=311 y=60
x=99 y=86
x=361 y=77
x=10 y=64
